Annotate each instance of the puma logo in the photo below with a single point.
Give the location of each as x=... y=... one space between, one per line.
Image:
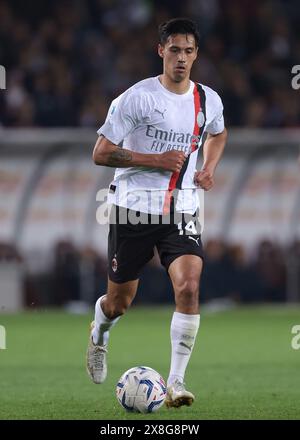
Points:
x=189 y=347
x=161 y=113
x=195 y=239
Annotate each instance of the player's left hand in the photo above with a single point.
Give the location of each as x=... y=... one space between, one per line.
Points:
x=204 y=179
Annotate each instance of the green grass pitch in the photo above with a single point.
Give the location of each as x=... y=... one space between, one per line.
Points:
x=242 y=367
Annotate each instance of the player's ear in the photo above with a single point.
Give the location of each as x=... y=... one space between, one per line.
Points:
x=160 y=50
x=195 y=54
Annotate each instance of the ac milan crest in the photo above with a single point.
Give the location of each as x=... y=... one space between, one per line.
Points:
x=200 y=119
x=114 y=264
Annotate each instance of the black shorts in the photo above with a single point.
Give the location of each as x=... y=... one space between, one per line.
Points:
x=131 y=246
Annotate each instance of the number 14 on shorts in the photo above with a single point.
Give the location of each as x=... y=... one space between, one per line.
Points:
x=190 y=228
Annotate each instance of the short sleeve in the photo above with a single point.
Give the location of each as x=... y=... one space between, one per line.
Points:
x=124 y=115
x=216 y=125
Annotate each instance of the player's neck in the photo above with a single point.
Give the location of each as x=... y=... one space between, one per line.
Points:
x=176 y=87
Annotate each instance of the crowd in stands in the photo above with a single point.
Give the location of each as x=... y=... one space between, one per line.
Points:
x=80 y=274
x=66 y=60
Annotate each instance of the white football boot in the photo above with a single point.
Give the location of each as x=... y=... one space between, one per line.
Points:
x=178 y=396
x=96 y=363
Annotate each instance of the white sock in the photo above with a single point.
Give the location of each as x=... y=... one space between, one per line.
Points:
x=100 y=332
x=184 y=329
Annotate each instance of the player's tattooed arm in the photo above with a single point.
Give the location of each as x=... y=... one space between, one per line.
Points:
x=119 y=158
x=110 y=155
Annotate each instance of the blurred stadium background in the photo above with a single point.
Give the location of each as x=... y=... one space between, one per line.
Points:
x=65 y=61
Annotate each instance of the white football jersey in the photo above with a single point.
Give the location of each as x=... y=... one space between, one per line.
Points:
x=148 y=118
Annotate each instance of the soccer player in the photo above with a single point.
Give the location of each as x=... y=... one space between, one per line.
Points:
x=161 y=123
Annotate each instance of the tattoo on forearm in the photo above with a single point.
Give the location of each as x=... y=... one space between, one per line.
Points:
x=119 y=158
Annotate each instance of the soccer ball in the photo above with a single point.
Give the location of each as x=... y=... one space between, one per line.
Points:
x=141 y=389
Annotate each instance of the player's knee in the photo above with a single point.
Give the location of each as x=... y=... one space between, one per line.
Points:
x=114 y=310
x=187 y=292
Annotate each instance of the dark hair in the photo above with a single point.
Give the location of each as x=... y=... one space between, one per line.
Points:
x=178 y=26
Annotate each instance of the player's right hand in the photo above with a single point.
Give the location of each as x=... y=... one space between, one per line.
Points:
x=171 y=160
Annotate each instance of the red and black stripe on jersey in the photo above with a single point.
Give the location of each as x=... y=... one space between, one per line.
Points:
x=199 y=105
x=177 y=178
